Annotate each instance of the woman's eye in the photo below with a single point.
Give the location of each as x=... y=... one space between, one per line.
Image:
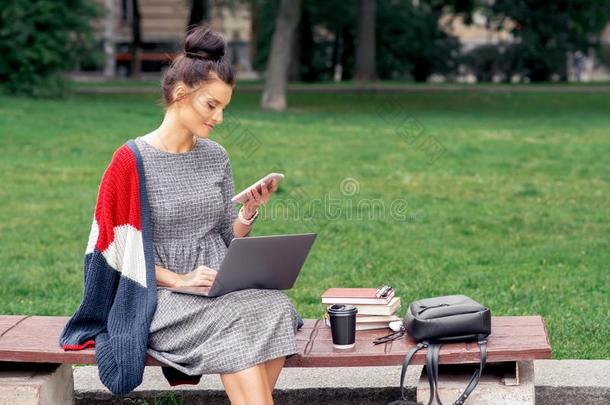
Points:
x=211 y=106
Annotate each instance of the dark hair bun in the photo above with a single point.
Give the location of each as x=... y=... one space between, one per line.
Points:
x=203 y=43
x=203 y=60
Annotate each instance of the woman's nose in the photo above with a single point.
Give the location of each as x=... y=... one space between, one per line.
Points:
x=218 y=117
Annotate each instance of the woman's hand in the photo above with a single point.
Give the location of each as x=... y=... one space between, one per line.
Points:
x=202 y=276
x=256 y=199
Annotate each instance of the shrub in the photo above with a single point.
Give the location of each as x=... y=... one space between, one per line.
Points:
x=41 y=38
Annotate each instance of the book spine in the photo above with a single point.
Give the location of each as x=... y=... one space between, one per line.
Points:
x=356 y=301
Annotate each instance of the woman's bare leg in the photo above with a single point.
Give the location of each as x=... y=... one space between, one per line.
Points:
x=274 y=368
x=249 y=386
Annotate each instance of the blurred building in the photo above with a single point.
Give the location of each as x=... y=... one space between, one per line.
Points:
x=163 y=25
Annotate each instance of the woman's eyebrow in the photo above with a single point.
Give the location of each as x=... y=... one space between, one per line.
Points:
x=211 y=98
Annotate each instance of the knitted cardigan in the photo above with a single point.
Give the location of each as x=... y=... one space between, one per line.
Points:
x=120 y=296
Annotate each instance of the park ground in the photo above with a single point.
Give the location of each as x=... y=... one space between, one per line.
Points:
x=502 y=196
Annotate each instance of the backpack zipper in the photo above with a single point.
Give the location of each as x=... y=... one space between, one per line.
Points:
x=425 y=308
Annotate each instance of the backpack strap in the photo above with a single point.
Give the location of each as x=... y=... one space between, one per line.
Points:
x=474 y=380
x=432 y=371
x=403 y=372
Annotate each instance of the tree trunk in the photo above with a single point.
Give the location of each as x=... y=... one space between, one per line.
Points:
x=307 y=70
x=274 y=94
x=199 y=13
x=335 y=69
x=294 y=67
x=254 y=29
x=109 y=47
x=136 y=44
x=365 y=53
x=347 y=53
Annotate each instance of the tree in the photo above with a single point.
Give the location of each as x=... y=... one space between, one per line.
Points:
x=199 y=13
x=109 y=48
x=412 y=41
x=547 y=30
x=312 y=59
x=408 y=41
x=274 y=93
x=365 y=51
x=321 y=58
x=302 y=32
x=41 y=38
x=262 y=31
x=136 y=41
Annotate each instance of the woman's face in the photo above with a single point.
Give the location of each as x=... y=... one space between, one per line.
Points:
x=205 y=106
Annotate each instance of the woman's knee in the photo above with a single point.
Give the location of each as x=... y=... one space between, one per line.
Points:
x=251 y=381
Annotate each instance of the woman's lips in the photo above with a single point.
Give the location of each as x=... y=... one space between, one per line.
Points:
x=209 y=126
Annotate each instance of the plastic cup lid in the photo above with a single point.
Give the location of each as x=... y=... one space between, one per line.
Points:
x=342 y=309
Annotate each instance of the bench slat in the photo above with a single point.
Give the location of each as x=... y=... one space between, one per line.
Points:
x=498 y=332
x=514 y=338
x=7 y=322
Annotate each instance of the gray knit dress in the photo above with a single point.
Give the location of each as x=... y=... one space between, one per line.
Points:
x=192 y=224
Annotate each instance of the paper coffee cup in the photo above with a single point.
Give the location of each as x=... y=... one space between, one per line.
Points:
x=343 y=325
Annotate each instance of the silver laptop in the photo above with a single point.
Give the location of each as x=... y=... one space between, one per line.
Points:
x=267 y=262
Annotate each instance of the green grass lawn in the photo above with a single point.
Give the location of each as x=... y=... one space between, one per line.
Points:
x=514 y=213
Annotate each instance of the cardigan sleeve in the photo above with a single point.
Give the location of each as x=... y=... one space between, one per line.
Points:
x=99 y=278
x=119 y=295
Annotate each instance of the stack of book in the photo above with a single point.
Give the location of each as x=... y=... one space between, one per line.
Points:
x=377 y=307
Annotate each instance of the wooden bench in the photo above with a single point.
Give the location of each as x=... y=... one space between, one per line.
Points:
x=149 y=61
x=514 y=338
x=34 y=339
x=148 y=56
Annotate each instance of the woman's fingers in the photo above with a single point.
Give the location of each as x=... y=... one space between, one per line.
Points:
x=256 y=198
x=253 y=202
x=207 y=272
x=269 y=189
x=205 y=276
x=273 y=185
x=264 y=192
x=255 y=192
x=204 y=282
x=251 y=198
x=206 y=269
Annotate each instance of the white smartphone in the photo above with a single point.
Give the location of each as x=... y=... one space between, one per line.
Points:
x=243 y=196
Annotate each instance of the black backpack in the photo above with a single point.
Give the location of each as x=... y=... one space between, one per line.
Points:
x=434 y=321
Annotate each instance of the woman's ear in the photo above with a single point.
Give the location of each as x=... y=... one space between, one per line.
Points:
x=179 y=92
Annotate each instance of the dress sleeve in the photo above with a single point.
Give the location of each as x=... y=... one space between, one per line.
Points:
x=229 y=207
